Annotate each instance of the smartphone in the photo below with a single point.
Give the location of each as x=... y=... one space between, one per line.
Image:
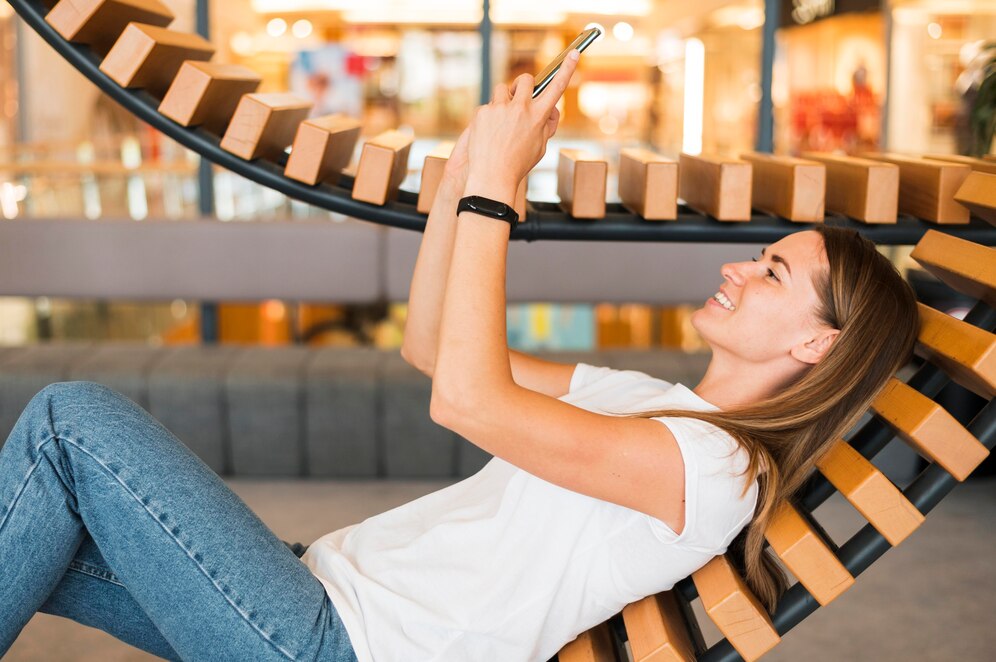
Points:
x=581 y=42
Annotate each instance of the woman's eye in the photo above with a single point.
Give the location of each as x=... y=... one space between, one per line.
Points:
x=770 y=272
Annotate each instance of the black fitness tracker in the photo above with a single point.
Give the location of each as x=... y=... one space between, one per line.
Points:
x=488 y=207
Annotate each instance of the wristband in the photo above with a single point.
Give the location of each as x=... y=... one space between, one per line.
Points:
x=488 y=207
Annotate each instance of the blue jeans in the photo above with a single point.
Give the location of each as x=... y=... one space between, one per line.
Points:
x=109 y=520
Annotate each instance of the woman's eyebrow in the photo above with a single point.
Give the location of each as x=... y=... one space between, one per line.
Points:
x=779 y=258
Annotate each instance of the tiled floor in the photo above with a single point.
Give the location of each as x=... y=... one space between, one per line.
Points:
x=931 y=599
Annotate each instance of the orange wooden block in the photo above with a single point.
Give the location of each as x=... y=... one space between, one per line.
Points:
x=863 y=189
x=581 y=183
x=788 y=187
x=99 y=23
x=149 y=57
x=927 y=187
x=323 y=147
x=870 y=492
x=929 y=429
x=977 y=165
x=383 y=166
x=206 y=94
x=648 y=184
x=802 y=550
x=264 y=125
x=966 y=266
x=594 y=645
x=715 y=185
x=978 y=194
x=964 y=351
x=432 y=174
x=734 y=609
x=657 y=631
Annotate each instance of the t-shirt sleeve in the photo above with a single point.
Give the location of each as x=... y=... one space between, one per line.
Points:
x=715 y=511
x=585 y=375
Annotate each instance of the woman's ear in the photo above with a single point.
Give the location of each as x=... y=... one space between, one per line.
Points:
x=814 y=349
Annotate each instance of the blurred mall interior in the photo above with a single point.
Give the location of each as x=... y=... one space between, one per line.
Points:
x=849 y=76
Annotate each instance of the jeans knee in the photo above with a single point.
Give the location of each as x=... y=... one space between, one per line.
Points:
x=59 y=395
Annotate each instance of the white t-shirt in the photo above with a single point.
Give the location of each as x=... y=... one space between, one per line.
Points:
x=506 y=566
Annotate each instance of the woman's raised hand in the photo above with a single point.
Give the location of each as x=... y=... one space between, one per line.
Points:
x=508 y=136
x=458 y=163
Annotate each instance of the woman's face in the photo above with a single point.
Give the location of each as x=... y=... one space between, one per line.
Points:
x=773 y=301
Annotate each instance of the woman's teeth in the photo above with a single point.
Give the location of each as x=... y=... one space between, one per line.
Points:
x=721 y=298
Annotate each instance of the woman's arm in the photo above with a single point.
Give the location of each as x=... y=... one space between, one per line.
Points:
x=425 y=298
x=428 y=287
x=507 y=138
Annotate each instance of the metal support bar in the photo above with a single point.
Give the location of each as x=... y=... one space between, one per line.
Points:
x=485 y=30
x=765 y=119
x=205 y=192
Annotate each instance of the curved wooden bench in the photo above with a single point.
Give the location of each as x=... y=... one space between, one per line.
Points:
x=662 y=627
x=163 y=77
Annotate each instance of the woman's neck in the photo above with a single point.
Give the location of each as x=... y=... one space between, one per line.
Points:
x=730 y=382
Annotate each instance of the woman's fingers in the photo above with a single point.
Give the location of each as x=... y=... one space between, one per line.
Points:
x=551 y=123
x=551 y=95
x=501 y=93
x=522 y=87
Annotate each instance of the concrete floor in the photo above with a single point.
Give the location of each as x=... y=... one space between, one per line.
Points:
x=930 y=599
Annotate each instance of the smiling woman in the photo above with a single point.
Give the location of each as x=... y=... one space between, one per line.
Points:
x=791 y=371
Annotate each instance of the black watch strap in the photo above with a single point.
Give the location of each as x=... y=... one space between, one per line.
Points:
x=488 y=207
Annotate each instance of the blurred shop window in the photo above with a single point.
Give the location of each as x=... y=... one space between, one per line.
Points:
x=938 y=52
x=829 y=84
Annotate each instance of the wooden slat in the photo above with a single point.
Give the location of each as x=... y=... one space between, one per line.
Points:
x=206 y=94
x=734 y=609
x=432 y=174
x=383 y=165
x=581 y=179
x=978 y=193
x=977 y=165
x=657 y=631
x=966 y=266
x=788 y=187
x=148 y=57
x=323 y=147
x=717 y=186
x=802 y=550
x=865 y=190
x=264 y=125
x=927 y=188
x=929 y=429
x=966 y=352
x=870 y=492
x=594 y=645
x=99 y=23
x=648 y=184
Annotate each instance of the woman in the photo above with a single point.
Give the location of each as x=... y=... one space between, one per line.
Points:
x=107 y=519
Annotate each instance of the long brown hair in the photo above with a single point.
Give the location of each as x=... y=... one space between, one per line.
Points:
x=863 y=295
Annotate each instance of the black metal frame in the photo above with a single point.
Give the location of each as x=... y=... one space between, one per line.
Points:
x=544 y=220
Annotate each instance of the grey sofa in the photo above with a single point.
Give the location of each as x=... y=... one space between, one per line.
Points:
x=289 y=411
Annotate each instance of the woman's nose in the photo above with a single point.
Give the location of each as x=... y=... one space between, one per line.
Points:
x=733 y=271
